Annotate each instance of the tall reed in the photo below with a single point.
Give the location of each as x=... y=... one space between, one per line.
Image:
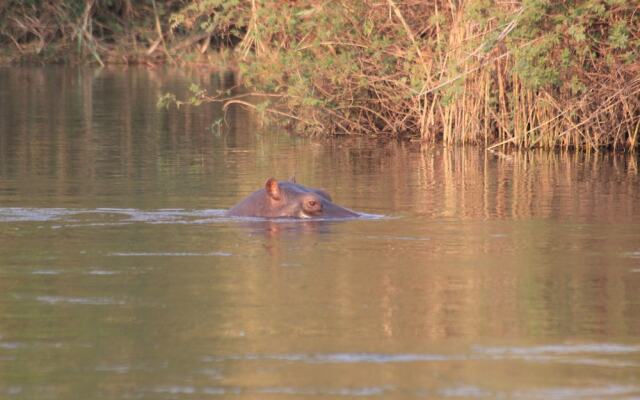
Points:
x=531 y=74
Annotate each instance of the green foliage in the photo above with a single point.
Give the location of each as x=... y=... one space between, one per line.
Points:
x=536 y=64
x=165 y=100
x=577 y=86
x=577 y=32
x=198 y=94
x=619 y=36
x=221 y=18
x=395 y=68
x=363 y=67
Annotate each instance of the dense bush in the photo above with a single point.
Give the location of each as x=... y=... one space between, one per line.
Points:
x=529 y=73
x=103 y=31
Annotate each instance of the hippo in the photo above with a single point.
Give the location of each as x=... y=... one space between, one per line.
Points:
x=288 y=199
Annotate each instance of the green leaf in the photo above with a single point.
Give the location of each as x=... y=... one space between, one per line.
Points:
x=619 y=35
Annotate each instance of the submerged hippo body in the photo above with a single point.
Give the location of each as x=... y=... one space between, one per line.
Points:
x=289 y=200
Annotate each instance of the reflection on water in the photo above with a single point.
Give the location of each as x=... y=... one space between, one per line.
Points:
x=78 y=300
x=471 y=275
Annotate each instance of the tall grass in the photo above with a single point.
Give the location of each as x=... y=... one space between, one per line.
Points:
x=530 y=73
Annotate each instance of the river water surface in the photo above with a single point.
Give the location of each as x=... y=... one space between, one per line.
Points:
x=473 y=275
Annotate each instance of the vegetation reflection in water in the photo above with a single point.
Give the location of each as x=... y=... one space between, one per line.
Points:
x=489 y=276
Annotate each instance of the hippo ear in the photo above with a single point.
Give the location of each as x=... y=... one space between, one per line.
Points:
x=292 y=179
x=272 y=188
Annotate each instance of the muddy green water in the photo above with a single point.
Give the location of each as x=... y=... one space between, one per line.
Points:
x=474 y=275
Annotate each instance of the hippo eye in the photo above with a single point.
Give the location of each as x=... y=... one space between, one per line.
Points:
x=312 y=203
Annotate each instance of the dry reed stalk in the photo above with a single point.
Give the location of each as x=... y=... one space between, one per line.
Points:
x=435 y=70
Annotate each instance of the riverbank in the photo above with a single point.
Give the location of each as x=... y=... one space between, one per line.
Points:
x=530 y=74
x=118 y=32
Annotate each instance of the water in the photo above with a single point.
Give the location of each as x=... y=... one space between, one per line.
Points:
x=473 y=275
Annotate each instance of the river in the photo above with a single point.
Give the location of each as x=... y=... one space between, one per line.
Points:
x=472 y=274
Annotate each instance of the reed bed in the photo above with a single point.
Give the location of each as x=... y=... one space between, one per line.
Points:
x=527 y=74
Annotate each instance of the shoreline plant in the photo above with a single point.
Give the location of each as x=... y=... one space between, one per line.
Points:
x=530 y=73
x=534 y=73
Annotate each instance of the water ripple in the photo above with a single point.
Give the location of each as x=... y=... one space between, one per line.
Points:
x=101 y=272
x=464 y=392
x=548 y=353
x=337 y=358
x=11 y=345
x=96 y=301
x=562 y=393
x=108 y=216
x=83 y=217
x=271 y=390
x=594 y=348
x=15 y=214
x=118 y=369
x=45 y=272
x=170 y=254
x=354 y=392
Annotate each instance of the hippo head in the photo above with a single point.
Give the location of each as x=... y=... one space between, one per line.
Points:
x=289 y=199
